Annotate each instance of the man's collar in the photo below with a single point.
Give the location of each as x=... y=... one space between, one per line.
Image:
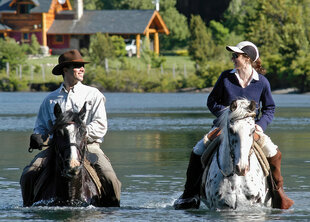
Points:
x=73 y=89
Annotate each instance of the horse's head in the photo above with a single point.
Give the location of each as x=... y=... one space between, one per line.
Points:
x=240 y=131
x=69 y=133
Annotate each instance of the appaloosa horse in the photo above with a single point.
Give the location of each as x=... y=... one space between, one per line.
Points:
x=67 y=179
x=235 y=177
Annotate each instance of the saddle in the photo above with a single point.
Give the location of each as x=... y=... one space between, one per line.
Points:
x=88 y=166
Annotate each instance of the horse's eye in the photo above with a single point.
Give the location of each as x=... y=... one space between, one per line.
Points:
x=231 y=131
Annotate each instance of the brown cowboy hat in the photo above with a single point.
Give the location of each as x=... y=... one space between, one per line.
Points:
x=69 y=57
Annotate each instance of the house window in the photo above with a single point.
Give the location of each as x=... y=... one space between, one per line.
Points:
x=24 y=8
x=25 y=37
x=58 y=39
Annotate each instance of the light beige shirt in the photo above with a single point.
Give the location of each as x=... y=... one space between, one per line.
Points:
x=95 y=118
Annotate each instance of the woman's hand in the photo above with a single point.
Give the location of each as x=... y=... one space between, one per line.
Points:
x=258 y=128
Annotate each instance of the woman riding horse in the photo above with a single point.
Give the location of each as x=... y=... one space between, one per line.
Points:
x=72 y=95
x=246 y=80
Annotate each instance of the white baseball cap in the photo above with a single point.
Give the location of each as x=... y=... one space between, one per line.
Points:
x=245 y=47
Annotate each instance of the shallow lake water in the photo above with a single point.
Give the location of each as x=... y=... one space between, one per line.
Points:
x=149 y=141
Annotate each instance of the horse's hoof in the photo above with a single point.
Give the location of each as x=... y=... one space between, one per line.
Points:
x=187 y=203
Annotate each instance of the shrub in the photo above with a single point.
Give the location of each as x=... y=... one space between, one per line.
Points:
x=11 y=52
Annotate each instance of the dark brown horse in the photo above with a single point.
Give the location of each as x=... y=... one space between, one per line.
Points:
x=67 y=178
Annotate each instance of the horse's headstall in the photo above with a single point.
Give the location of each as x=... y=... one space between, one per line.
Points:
x=252 y=115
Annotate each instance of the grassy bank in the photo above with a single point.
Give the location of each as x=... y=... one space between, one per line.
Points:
x=128 y=74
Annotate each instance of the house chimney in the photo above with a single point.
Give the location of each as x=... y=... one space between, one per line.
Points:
x=78 y=5
x=157 y=5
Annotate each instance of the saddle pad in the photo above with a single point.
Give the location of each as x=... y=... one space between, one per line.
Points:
x=93 y=175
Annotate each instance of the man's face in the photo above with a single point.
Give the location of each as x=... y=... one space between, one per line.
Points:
x=75 y=72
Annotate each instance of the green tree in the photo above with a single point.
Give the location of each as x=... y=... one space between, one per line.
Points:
x=219 y=32
x=201 y=45
x=177 y=25
x=11 y=52
x=280 y=31
x=149 y=57
x=134 y=4
x=34 y=46
x=118 y=46
x=101 y=47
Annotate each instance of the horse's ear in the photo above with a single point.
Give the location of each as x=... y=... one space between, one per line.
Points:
x=83 y=112
x=252 y=106
x=57 y=110
x=233 y=105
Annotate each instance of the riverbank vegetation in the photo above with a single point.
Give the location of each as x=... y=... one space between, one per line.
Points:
x=192 y=56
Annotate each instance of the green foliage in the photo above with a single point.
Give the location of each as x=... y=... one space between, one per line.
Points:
x=11 y=52
x=201 y=45
x=281 y=29
x=100 y=48
x=301 y=70
x=219 y=32
x=94 y=5
x=149 y=56
x=179 y=32
x=34 y=47
x=13 y=84
x=134 y=4
x=118 y=46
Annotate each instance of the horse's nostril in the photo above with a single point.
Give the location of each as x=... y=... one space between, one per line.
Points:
x=241 y=171
x=238 y=169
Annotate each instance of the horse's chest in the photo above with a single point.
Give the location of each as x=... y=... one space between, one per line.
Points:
x=230 y=192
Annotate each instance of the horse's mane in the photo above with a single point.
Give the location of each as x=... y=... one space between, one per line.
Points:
x=68 y=117
x=64 y=119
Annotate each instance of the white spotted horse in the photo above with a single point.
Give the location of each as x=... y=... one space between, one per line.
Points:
x=235 y=177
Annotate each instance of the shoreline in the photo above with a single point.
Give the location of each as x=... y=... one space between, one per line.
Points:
x=277 y=91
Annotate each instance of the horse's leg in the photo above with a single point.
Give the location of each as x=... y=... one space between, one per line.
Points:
x=29 y=177
x=110 y=183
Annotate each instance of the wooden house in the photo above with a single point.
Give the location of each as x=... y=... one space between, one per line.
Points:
x=59 y=27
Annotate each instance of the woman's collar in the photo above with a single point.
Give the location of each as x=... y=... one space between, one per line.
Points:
x=255 y=75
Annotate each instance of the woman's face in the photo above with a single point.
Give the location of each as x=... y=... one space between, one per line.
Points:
x=240 y=60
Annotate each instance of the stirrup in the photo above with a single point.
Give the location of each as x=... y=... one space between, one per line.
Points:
x=187 y=203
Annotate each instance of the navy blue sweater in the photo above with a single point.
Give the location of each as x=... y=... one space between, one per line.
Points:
x=227 y=89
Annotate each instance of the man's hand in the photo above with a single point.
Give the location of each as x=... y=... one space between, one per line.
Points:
x=36 y=141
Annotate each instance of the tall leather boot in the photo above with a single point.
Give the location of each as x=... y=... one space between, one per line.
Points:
x=279 y=200
x=191 y=197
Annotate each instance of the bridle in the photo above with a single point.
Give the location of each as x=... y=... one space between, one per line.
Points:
x=80 y=147
x=231 y=151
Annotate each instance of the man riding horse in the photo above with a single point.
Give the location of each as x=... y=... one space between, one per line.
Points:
x=72 y=95
x=246 y=80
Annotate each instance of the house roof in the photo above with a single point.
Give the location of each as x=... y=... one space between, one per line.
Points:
x=39 y=6
x=4 y=27
x=106 y=21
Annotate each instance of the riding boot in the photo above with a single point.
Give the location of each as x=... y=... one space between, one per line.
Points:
x=279 y=200
x=191 y=196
